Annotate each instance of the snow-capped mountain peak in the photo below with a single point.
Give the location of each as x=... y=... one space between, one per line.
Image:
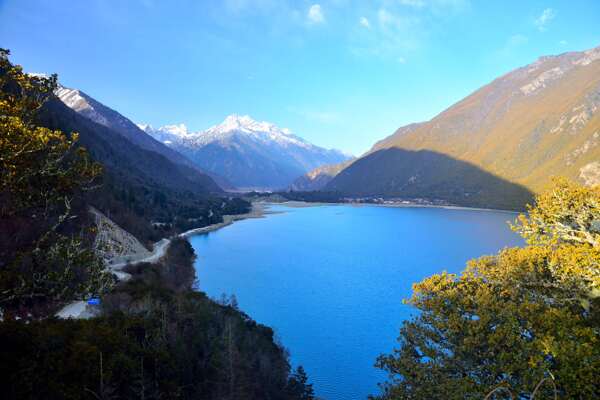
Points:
x=245 y=123
x=250 y=153
x=232 y=125
x=177 y=130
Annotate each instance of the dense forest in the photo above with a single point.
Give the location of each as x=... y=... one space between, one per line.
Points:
x=156 y=338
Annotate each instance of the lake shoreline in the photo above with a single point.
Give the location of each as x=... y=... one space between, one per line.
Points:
x=257 y=211
x=302 y=204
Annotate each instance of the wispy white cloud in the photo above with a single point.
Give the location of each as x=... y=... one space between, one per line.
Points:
x=544 y=19
x=511 y=45
x=385 y=17
x=437 y=5
x=412 y=3
x=401 y=60
x=390 y=34
x=364 y=22
x=517 y=40
x=315 y=14
x=392 y=21
x=320 y=116
x=563 y=42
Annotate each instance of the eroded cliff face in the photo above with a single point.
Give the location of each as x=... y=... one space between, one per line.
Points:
x=590 y=174
x=114 y=244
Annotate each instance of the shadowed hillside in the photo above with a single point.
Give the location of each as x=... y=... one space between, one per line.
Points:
x=535 y=122
x=124 y=158
x=430 y=175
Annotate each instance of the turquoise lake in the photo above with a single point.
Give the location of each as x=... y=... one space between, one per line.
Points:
x=330 y=279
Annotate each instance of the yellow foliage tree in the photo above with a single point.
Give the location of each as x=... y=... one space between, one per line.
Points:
x=44 y=260
x=512 y=319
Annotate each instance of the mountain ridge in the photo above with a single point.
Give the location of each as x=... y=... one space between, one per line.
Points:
x=319 y=177
x=525 y=126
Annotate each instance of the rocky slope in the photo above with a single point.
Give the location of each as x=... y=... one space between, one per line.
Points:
x=250 y=154
x=535 y=122
x=112 y=243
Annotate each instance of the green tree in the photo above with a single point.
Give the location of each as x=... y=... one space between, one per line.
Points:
x=511 y=319
x=45 y=255
x=298 y=386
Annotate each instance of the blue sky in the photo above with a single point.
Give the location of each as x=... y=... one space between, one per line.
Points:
x=339 y=73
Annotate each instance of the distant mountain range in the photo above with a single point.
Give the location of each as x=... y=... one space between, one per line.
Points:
x=248 y=153
x=496 y=146
x=319 y=177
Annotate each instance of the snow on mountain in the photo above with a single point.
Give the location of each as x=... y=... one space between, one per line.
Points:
x=264 y=132
x=82 y=104
x=249 y=153
x=103 y=115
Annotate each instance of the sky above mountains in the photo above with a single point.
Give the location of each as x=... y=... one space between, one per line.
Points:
x=339 y=73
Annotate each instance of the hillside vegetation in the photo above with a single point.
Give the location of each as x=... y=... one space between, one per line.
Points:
x=524 y=316
x=45 y=236
x=156 y=339
x=424 y=174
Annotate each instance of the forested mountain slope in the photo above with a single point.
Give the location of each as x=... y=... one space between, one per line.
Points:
x=141 y=186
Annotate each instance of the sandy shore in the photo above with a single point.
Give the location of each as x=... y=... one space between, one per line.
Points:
x=433 y=206
x=302 y=204
x=257 y=211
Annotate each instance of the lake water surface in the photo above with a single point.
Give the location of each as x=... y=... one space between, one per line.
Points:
x=330 y=279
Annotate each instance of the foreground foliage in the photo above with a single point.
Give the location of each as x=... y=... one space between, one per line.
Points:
x=511 y=319
x=157 y=339
x=44 y=258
